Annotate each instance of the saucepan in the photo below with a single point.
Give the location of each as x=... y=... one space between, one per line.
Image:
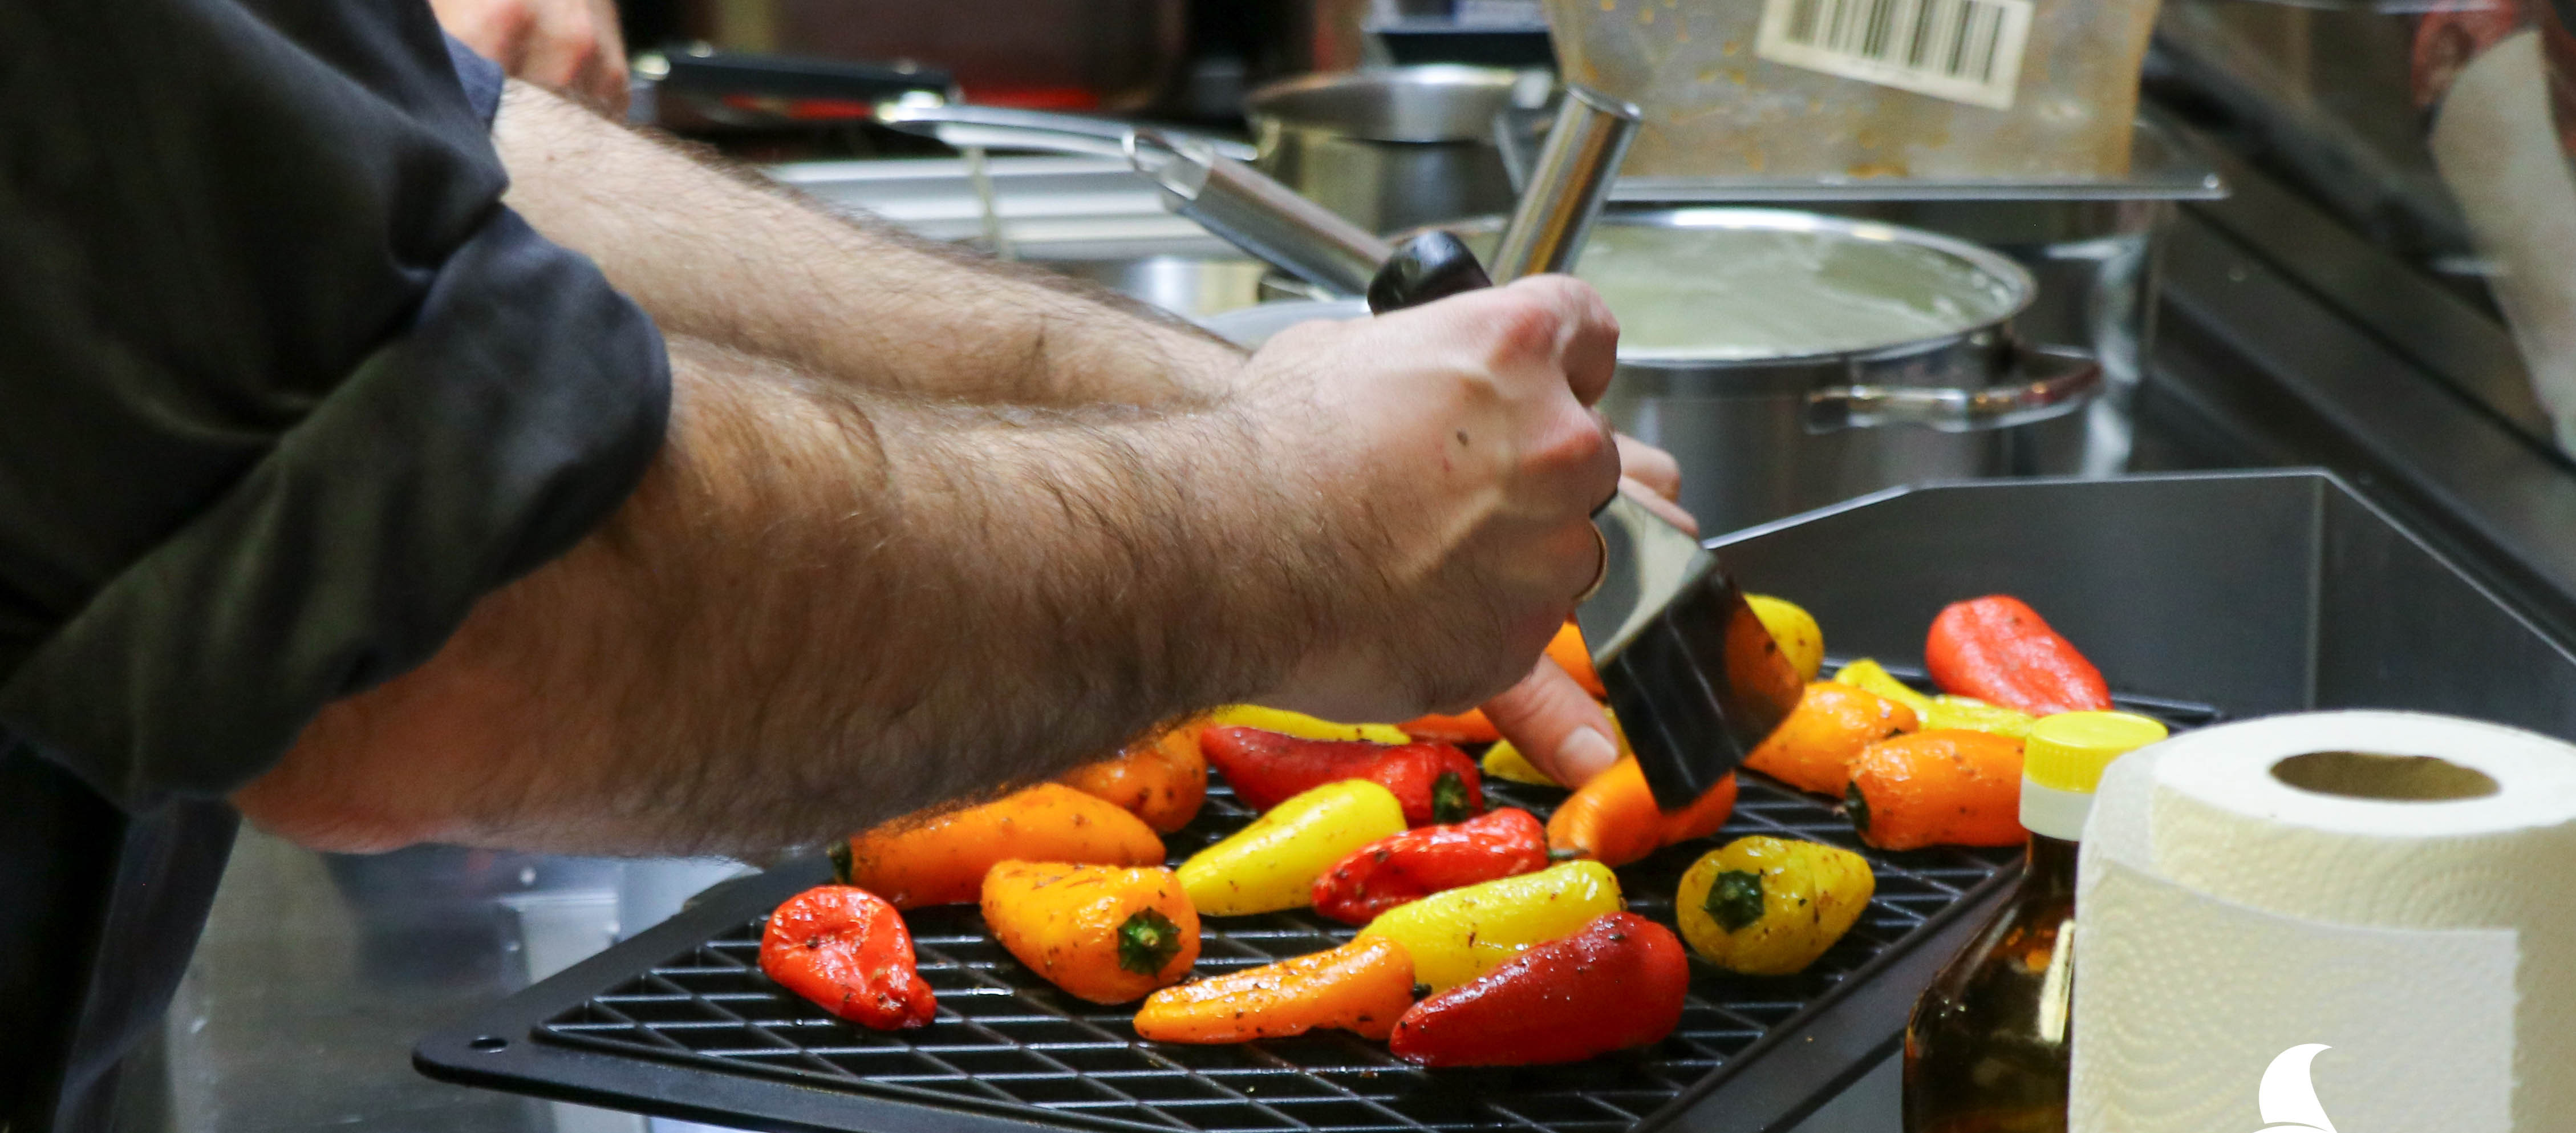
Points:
x=1789 y=359
x=1394 y=148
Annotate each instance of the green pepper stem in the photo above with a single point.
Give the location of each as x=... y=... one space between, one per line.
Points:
x=1147 y=941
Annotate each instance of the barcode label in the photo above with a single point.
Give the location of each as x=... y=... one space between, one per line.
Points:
x=1962 y=50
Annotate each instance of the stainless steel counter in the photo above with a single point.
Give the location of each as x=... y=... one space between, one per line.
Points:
x=317 y=973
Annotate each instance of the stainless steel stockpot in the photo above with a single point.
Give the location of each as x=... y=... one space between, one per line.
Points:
x=1396 y=147
x=1771 y=429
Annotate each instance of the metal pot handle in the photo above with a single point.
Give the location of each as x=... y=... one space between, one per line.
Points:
x=2047 y=383
x=999 y=127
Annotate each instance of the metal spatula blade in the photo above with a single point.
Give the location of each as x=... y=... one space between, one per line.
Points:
x=1694 y=677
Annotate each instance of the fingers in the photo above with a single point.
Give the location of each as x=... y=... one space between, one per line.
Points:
x=1650 y=467
x=1649 y=499
x=497 y=30
x=605 y=82
x=574 y=48
x=1556 y=724
x=1587 y=345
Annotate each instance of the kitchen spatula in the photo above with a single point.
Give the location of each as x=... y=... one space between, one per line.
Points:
x=1694 y=677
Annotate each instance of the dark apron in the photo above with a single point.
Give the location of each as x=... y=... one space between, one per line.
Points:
x=98 y=913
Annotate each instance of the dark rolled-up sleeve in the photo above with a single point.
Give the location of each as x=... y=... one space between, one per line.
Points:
x=292 y=389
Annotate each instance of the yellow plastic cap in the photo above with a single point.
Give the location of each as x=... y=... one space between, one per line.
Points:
x=2068 y=751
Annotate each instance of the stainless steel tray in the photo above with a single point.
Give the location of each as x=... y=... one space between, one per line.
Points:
x=2252 y=593
x=2255 y=592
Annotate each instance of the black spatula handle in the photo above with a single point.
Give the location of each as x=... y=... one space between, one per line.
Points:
x=1434 y=265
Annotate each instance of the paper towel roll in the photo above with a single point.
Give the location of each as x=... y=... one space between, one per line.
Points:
x=2230 y=924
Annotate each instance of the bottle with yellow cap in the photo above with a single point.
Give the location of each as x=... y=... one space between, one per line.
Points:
x=1987 y=1048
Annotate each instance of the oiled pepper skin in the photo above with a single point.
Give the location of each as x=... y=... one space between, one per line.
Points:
x=1614 y=819
x=1427 y=860
x=1272 y=863
x=847 y=950
x=1812 y=750
x=1160 y=780
x=1266 y=768
x=1459 y=935
x=1109 y=934
x=942 y=860
x=1619 y=983
x=1999 y=650
x=1363 y=987
x=1938 y=788
x=1769 y=906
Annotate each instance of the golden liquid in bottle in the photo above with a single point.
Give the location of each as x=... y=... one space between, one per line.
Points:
x=1987 y=1049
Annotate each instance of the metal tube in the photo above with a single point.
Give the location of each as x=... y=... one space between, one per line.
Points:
x=1261 y=216
x=1568 y=185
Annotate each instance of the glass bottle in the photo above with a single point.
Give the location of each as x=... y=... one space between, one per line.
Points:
x=1987 y=1049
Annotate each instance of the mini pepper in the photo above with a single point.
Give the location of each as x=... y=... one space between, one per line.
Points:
x=1997 y=649
x=1108 y=934
x=1435 y=782
x=1362 y=987
x=1618 y=983
x=847 y=950
x=1420 y=862
x=1272 y=863
x=1459 y=935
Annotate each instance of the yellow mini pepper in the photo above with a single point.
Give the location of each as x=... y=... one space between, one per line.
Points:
x=1972 y=714
x=1272 y=863
x=1303 y=726
x=1459 y=935
x=1769 y=906
x=1871 y=676
x=1794 y=630
x=1505 y=762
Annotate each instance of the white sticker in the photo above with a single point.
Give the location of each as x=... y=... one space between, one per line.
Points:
x=1962 y=50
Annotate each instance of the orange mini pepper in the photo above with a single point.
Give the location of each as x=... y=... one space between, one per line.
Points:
x=942 y=860
x=1614 y=820
x=1162 y=780
x=1363 y=987
x=1944 y=787
x=1469 y=727
x=1812 y=750
x=1103 y=933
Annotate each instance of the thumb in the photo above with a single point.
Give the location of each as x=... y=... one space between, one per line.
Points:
x=1555 y=723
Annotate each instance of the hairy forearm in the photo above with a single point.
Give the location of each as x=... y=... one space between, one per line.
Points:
x=712 y=254
x=825 y=607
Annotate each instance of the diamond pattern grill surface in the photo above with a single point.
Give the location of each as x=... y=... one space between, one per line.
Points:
x=1008 y=1043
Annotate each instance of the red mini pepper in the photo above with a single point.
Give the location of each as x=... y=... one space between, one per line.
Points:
x=1418 y=863
x=1618 y=983
x=1997 y=649
x=847 y=950
x=1435 y=782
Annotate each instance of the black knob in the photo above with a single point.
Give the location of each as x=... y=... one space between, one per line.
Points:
x=1434 y=265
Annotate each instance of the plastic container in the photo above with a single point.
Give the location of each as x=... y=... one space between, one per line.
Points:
x=1855 y=89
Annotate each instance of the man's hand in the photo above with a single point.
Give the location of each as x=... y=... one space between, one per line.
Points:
x=1455 y=448
x=1551 y=719
x=571 y=47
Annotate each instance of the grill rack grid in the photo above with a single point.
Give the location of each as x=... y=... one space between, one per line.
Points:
x=1007 y=1044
